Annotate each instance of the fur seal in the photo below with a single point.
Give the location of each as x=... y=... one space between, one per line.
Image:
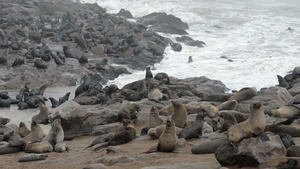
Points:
x=23 y=130
x=154 y=118
x=68 y=53
x=32 y=157
x=195 y=130
x=163 y=78
x=254 y=125
x=208 y=146
x=36 y=133
x=42 y=117
x=190 y=59
x=54 y=102
x=285 y=112
x=237 y=115
x=128 y=112
x=168 y=110
x=179 y=115
x=64 y=98
x=226 y=121
x=83 y=59
x=221 y=97
x=22 y=105
x=37 y=147
x=8 y=149
x=39 y=64
x=154 y=133
x=168 y=139
x=112 y=88
x=282 y=82
x=244 y=94
x=101 y=139
x=210 y=109
x=228 y=105
x=84 y=86
x=294 y=131
x=125 y=136
x=4 y=121
x=148 y=73
x=56 y=133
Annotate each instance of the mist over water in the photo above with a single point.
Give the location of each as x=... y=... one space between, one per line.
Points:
x=252 y=33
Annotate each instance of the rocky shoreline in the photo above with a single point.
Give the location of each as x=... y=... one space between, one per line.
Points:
x=33 y=37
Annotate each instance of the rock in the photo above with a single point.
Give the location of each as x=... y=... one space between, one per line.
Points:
x=103 y=129
x=124 y=13
x=32 y=157
x=293 y=151
x=252 y=151
x=178 y=166
x=190 y=41
x=113 y=149
x=226 y=154
x=79 y=120
x=96 y=166
x=286 y=139
x=114 y=160
x=162 y=22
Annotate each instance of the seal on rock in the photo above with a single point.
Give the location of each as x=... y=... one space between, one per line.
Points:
x=179 y=115
x=148 y=73
x=226 y=120
x=244 y=94
x=4 y=121
x=125 y=136
x=228 y=105
x=285 y=112
x=42 y=117
x=128 y=112
x=253 y=126
x=37 y=147
x=195 y=130
x=210 y=109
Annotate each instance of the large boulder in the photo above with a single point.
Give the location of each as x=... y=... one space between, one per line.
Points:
x=79 y=120
x=161 y=22
x=253 y=151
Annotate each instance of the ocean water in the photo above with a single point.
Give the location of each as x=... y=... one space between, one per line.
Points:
x=252 y=33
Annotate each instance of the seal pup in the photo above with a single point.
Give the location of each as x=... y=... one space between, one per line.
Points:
x=148 y=73
x=253 y=126
x=68 y=53
x=128 y=111
x=56 y=133
x=154 y=118
x=168 y=139
x=195 y=130
x=42 y=117
x=54 y=102
x=38 y=63
x=179 y=115
x=154 y=133
x=38 y=91
x=244 y=94
x=83 y=59
x=36 y=133
x=226 y=120
x=23 y=130
x=32 y=157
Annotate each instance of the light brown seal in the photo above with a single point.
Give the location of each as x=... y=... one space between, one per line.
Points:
x=37 y=147
x=179 y=115
x=36 y=133
x=124 y=136
x=56 y=133
x=154 y=133
x=168 y=139
x=294 y=131
x=228 y=105
x=168 y=110
x=154 y=118
x=210 y=109
x=226 y=121
x=253 y=126
x=4 y=121
x=285 y=112
x=128 y=111
x=42 y=117
x=237 y=115
x=23 y=130
x=244 y=94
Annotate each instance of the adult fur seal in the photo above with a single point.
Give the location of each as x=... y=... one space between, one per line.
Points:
x=285 y=112
x=294 y=131
x=195 y=130
x=129 y=112
x=148 y=73
x=179 y=115
x=168 y=139
x=228 y=105
x=244 y=94
x=37 y=147
x=154 y=118
x=84 y=86
x=237 y=115
x=208 y=145
x=253 y=126
x=210 y=109
x=42 y=117
x=112 y=88
x=124 y=136
x=36 y=133
x=23 y=130
x=226 y=120
x=56 y=133
x=154 y=133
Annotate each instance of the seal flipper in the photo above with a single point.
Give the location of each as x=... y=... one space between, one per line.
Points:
x=152 y=149
x=287 y=122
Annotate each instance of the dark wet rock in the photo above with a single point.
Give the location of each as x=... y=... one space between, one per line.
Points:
x=95 y=166
x=162 y=22
x=226 y=154
x=190 y=41
x=114 y=160
x=124 y=13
